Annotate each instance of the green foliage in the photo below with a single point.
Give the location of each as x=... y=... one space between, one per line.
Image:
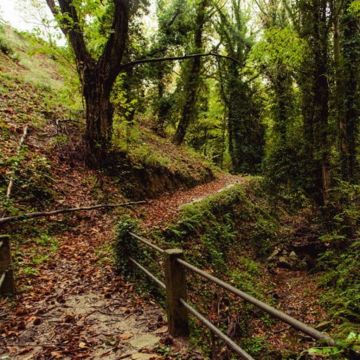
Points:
x=29 y=261
x=225 y=234
x=245 y=281
x=217 y=242
x=105 y=254
x=346 y=349
x=278 y=47
x=245 y=132
x=279 y=55
x=127 y=138
x=255 y=345
x=45 y=240
x=125 y=245
x=208 y=134
x=124 y=106
x=340 y=262
x=33 y=183
x=354 y=8
x=46 y=67
x=344 y=209
x=218 y=219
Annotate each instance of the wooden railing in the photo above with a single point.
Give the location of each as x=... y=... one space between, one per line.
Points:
x=7 y=283
x=178 y=307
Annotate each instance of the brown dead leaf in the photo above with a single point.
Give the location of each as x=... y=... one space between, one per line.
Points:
x=126 y=336
x=56 y=355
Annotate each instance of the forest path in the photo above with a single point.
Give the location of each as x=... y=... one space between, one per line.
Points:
x=74 y=306
x=164 y=209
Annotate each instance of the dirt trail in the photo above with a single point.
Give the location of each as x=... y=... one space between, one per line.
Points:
x=76 y=307
x=162 y=210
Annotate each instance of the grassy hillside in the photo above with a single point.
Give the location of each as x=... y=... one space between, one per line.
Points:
x=39 y=92
x=39 y=89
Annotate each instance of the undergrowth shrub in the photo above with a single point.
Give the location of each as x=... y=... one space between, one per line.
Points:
x=125 y=246
x=341 y=262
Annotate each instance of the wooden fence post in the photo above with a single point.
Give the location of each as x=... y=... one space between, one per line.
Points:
x=175 y=281
x=8 y=286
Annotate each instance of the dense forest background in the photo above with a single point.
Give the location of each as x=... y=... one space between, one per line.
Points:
x=266 y=88
x=256 y=87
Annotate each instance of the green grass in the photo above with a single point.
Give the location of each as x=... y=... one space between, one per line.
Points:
x=144 y=147
x=47 y=68
x=29 y=260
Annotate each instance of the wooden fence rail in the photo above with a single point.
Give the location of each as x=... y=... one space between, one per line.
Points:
x=178 y=308
x=7 y=283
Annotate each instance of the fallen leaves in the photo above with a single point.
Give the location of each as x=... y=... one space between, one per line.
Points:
x=126 y=336
x=162 y=210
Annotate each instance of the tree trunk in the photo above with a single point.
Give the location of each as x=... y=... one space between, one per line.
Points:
x=350 y=128
x=339 y=90
x=193 y=77
x=97 y=76
x=163 y=106
x=188 y=110
x=234 y=118
x=99 y=115
x=321 y=92
x=315 y=89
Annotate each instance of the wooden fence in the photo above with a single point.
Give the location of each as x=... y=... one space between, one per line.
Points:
x=178 y=308
x=7 y=283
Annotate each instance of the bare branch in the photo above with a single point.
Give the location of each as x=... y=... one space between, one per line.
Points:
x=174 y=58
x=62 y=211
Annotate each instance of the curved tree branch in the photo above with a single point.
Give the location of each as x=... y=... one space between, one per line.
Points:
x=174 y=58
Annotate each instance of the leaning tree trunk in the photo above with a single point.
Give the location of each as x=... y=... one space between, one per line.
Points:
x=188 y=110
x=193 y=79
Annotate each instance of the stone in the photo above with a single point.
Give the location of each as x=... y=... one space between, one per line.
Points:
x=285 y=262
x=142 y=341
x=141 y=356
x=275 y=253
